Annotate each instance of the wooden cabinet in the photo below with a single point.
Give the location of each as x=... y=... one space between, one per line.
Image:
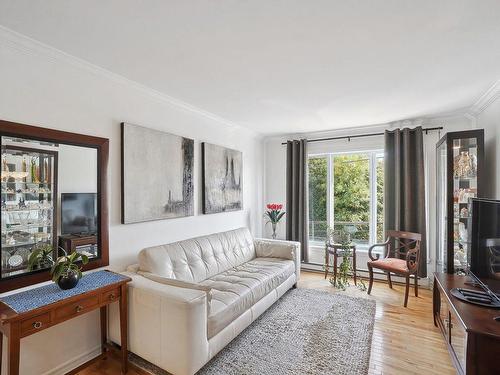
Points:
x=471 y=332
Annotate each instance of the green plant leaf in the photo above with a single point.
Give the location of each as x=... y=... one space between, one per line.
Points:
x=85 y=259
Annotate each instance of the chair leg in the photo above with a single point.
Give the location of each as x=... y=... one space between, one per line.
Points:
x=389 y=279
x=370 y=283
x=416 y=285
x=407 y=289
x=327 y=263
x=354 y=266
x=335 y=257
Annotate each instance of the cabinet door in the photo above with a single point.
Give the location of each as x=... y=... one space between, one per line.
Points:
x=458 y=340
x=444 y=316
x=441 y=208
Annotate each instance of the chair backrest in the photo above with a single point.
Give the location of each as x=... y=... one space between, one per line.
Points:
x=400 y=243
x=197 y=259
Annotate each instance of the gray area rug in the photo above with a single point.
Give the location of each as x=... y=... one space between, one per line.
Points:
x=305 y=332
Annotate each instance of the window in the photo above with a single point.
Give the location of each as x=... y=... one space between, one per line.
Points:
x=346 y=192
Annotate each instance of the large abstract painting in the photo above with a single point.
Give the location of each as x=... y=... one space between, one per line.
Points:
x=222 y=179
x=157 y=175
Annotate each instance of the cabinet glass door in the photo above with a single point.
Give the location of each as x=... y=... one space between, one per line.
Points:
x=28 y=188
x=441 y=205
x=465 y=184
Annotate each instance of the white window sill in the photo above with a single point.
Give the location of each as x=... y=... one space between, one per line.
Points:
x=360 y=248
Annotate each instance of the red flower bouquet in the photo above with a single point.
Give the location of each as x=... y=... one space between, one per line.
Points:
x=274 y=215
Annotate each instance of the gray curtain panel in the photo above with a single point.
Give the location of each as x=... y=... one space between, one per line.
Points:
x=296 y=193
x=404 y=185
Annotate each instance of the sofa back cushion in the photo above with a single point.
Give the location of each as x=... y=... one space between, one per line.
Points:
x=197 y=259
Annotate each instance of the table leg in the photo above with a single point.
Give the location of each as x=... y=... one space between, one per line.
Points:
x=354 y=265
x=124 y=327
x=14 y=349
x=335 y=268
x=104 y=328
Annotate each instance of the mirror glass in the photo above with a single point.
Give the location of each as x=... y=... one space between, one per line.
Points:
x=49 y=204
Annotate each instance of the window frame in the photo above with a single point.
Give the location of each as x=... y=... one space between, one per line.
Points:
x=373 y=156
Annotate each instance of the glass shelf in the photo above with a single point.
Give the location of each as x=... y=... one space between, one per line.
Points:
x=14 y=228
x=22 y=244
x=26 y=192
x=28 y=209
x=26 y=183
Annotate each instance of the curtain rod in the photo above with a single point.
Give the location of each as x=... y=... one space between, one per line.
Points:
x=349 y=137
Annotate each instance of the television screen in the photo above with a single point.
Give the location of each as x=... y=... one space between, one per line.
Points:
x=79 y=213
x=484 y=235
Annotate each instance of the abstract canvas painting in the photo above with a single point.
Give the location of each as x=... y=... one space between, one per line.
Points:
x=157 y=175
x=222 y=179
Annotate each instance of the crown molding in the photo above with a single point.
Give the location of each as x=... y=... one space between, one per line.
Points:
x=34 y=48
x=485 y=100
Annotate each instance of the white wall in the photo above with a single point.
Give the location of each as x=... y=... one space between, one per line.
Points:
x=489 y=119
x=43 y=87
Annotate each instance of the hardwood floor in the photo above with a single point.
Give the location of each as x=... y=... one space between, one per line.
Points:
x=405 y=340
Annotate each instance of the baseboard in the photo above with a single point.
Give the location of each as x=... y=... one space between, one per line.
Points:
x=73 y=363
x=424 y=282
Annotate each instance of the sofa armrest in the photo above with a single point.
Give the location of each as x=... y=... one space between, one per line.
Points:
x=279 y=249
x=177 y=283
x=167 y=324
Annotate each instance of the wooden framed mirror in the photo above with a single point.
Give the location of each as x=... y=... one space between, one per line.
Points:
x=53 y=196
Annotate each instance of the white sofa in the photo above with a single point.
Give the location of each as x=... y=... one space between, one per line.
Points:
x=189 y=299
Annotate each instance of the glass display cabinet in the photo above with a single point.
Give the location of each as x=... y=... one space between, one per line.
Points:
x=28 y=188
x=460 y=168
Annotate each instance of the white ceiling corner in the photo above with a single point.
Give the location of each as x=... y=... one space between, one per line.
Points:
x=486 y=99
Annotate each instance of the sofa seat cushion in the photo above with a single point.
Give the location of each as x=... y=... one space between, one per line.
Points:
x=237 y=289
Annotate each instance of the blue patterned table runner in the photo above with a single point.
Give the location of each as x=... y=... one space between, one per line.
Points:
x=45 y=295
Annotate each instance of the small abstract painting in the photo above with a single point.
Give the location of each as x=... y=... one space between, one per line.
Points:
x=222 y=179
x=157 y=175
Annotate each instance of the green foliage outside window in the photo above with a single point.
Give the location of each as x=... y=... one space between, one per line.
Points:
x=318 y=224
x=351 y=196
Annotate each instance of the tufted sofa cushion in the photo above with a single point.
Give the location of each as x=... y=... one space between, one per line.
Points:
x=237 y=289
x=200 y=258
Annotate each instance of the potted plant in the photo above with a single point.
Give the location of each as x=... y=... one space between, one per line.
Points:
x=343 y=238
x=65 y=271
x=41 y=258
x=274 y=215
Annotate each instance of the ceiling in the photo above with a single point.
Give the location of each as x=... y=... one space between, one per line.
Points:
x=284 y=66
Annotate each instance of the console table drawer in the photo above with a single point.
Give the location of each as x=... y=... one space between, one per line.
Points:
x=110 y=296
x=36 y=323
x=76 y=308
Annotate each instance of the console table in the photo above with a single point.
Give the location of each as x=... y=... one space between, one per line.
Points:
x=472 y=333
x=25 y=313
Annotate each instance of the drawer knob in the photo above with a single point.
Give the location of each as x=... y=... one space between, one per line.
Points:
x=112 y=296
x=37 y=325
x=79 y=308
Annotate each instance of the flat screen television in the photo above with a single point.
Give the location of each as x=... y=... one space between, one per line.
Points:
x=484 y=247
x=79 y=213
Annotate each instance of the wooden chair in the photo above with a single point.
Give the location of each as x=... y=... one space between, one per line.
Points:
x=399 y=244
